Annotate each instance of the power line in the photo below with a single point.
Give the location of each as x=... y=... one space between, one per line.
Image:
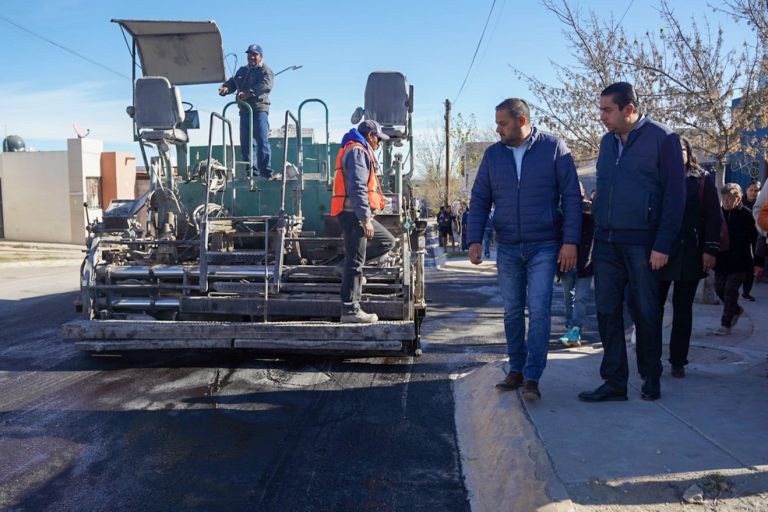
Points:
x=475 y=54
x=79 y=55
x=626 y=11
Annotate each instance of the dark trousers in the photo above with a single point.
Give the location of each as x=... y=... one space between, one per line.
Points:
x=749 y=280
x=615 y=265
x=727 y=289
x=262 y=161
x=445 y=232
x=682 y=318
x=358 y=250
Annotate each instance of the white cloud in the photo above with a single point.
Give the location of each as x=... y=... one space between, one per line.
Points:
x=49 y=114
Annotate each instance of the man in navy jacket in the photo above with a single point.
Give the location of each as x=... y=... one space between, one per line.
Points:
x=638 y=210
x=531 y=180
x=253 y=83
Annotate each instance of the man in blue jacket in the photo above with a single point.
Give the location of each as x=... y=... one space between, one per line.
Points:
x=638 y=209
x=531 y=180
x=253 y=84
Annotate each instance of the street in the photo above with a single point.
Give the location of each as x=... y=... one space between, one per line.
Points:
x=205 y=431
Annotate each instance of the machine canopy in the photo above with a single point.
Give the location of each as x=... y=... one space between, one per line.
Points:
x=184 y=52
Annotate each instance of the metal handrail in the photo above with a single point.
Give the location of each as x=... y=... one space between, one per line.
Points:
x=328 y=176
x=282 y=220
x=204 y=224
x=242 y=104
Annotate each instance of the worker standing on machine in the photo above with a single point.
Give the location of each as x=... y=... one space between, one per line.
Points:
x=357 y=196
x=253 y=84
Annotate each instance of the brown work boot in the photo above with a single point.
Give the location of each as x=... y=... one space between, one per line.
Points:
x=513 y=380
x=531 y=390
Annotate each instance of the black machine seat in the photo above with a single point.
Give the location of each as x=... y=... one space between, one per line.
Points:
x=387 y=101
x=175 y=136
x=158 y=110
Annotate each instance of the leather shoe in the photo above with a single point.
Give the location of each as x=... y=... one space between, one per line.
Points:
x=513 y=380
x=651 y=389
x=678 y=372
x=531 y=390
x=605 y=393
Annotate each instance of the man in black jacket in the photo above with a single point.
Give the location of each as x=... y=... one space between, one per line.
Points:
x=638 y=209
x=253 y=84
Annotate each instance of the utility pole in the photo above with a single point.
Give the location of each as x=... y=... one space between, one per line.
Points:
x=447 y=150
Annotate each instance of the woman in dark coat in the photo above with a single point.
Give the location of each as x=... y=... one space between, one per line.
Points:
x=738 y=260
x=693 y=255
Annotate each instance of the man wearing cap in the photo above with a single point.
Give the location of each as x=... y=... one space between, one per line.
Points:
x=253 y=84
x=357 y=196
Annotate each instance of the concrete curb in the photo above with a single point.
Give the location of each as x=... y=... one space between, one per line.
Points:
x=504 y=462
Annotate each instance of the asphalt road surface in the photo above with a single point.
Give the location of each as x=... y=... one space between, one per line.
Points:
x=203 y=431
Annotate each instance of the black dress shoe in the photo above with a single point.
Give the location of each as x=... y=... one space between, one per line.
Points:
x=678 y=372
x=605 y=393
x=748 y=297
x=651 y=389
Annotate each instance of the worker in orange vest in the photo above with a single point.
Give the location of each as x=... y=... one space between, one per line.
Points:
x=357 y=196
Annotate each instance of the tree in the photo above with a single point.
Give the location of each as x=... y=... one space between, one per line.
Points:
x=684 y=77
x=711 y=94
x=569 y=109
x=430 y=159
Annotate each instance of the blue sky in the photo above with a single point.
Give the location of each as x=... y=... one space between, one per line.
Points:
x=45 y=89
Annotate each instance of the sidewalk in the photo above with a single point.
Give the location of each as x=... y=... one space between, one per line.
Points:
x=709 y=428
x=24 y=253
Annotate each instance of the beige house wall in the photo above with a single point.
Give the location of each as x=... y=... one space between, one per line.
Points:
x=44 y=192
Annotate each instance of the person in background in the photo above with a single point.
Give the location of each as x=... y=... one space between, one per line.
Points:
x=750 y=196
x=693 y=255
x=464 y=218
x=577 y=282
x=749 y=202
x=253 y=83
x=638 y=210
x=531 y=179
x=488 y=234
x=445 y=221
x=732 y=265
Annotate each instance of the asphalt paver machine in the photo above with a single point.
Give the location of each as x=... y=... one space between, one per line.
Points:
x=213 y=258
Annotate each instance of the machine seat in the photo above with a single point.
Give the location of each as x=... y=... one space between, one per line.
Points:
x=174 y=136
x=158 y=110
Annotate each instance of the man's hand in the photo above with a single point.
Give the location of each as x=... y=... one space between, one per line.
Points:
x=567 y=257
x=223 y=90
x=242 y=95
x=367 y=228
x=758 y=272
x=658 y=260
x=708 y=261
x=475 y=253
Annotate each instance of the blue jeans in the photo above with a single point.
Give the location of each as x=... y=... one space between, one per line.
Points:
x=614 y=266
x=260 y=143
x=526 y=273
x=487 y=239
x=575 y=292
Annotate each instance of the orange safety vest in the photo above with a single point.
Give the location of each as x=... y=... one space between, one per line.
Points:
x=762 y=217
x=376 y=199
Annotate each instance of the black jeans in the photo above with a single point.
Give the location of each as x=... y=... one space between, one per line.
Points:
x=749 y=280
x=616 y=265
x=358 y=250
x=727 y=289
x=682 y=318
